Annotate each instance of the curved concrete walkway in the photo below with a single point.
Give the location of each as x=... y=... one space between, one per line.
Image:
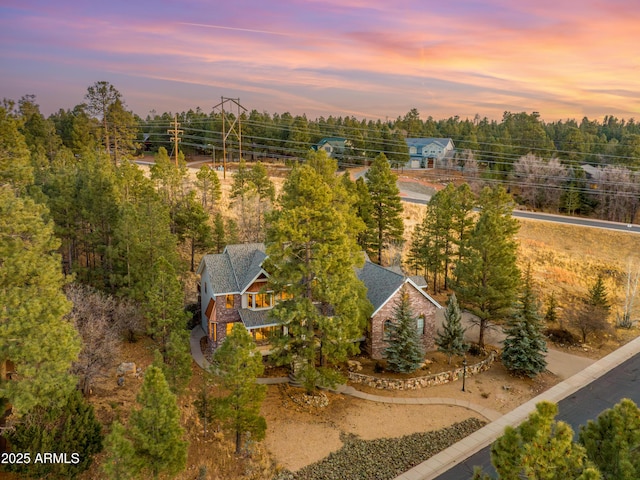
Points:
x=196 y=352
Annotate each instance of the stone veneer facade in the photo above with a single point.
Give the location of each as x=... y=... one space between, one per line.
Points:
x=225 y=316
x=420 y=305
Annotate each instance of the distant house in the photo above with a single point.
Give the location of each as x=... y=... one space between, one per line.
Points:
x=232 y=289
x=427 y=152
x=334 y=146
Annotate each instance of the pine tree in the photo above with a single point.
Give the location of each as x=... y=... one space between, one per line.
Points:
x=210 y=188
x=237 y=363
x=71 y=428
x=612 y=441
x=364 y=209
x=444 y=233
x=118 y=463
x=241 y=180
x=15 y=165
x=219 y=235
x=312 y=249
x=386 y=213
x=33 y=326
x=405 y=352
x=541 y=447
x=598 y=296
x=451 y=340
x=259 y=180
x=205 y=402
x=164 y=306
x=488 y=278
x=167 y=323
x=524 y=346
x=590 y=315
x=192 y=225
x=551 y=314
x=154 y=429
x=176 y=362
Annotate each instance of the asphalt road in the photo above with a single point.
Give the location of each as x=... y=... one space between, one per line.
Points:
x=548 y=217
x=586 y=404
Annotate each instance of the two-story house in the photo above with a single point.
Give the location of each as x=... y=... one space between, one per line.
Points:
x=232 y=289
x=426 y=152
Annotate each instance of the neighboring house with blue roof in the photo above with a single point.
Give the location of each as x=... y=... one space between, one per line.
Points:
x=232 y=289
x=427 y=152
x=334 y=146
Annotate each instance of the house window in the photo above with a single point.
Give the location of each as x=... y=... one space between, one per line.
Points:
x=213 y=331
x=229 y=301
x=260 y=300
x=229 y=328
x=421 y=325
x=386 y=329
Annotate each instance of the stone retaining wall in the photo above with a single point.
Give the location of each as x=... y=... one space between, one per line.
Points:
x=421 y=382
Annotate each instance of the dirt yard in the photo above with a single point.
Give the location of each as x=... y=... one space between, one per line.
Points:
x=319 y=428
x=300 y=435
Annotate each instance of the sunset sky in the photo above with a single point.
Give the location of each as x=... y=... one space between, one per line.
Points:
x=367 y=58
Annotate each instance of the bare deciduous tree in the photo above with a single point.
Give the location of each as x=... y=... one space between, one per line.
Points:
x=617 y=193
x=631 y=291
x=92 y=314
x=540 y=181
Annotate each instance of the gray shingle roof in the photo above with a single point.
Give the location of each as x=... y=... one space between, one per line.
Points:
x=381 y=283
x=231 y=270
x=255 y=318
x=220 y=272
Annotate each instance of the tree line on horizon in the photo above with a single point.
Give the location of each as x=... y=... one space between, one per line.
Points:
x=539 y=162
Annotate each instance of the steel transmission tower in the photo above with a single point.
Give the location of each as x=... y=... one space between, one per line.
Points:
x=230 y=125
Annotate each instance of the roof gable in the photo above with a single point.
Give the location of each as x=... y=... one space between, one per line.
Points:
x=235 y=268
x=383 y=283
x=426 y=141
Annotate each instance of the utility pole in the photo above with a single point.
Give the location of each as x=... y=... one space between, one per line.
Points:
x=235 y=128
x=175 y=132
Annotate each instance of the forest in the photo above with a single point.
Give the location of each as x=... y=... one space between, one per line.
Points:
x=95 y=251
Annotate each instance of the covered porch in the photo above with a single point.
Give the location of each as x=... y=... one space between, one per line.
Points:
x=261 y=327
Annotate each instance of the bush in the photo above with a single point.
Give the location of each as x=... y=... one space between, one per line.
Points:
x=561 y=335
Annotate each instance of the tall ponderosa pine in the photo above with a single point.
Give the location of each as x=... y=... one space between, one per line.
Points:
x=154 y=429
x=443 y=235
x=192 y=225
x=100 y=98
x=541 y=447
x=386 y=214
x=237 y=363
x=35 y=336
x=405 y=352
x=612 y=441
x=312 y=249
x=451 y=340
x=488 y=278
x=167 y=323
x=524 y=346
